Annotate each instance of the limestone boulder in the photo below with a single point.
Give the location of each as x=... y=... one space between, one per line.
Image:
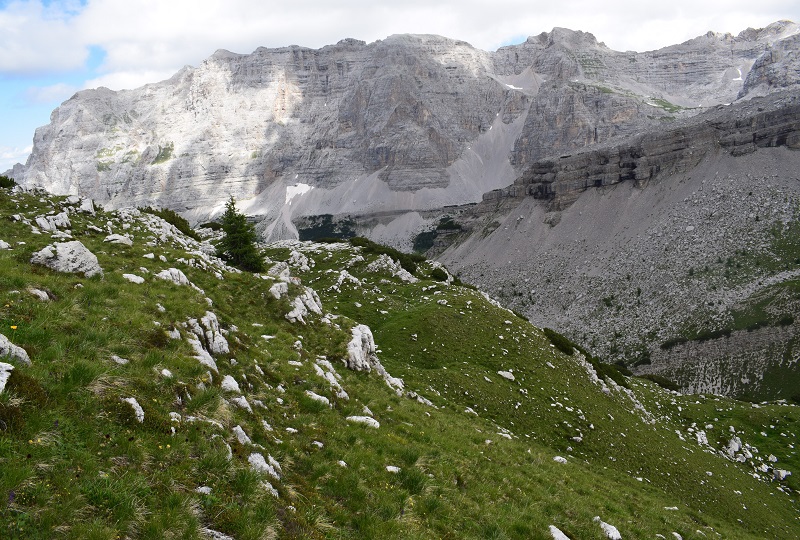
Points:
x=12 y=352
x=70 y=257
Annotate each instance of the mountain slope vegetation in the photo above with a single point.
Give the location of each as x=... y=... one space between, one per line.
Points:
x=174 y=396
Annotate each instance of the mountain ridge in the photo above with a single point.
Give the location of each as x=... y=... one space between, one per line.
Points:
x=408 y=119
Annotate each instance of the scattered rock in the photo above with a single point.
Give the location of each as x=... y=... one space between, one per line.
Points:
x=362 y=356
x=177 y=277
x=507 y=375
x=229 y=384
x=366 y=420
x=386 y=263
x=279 y=289
x=118 y=239
x=5 y=373
x=40 y=294
x=241 y=436
x=133 y=278
x=307 y=302
x=209 y=334
x=10 y=351
x=137 y=409
x=242 y=403
x=52 y=223
x=319 y=398
x=70 y=257
x=781 y=474
x=610 y=531
x=259 y=464
x=211 y=534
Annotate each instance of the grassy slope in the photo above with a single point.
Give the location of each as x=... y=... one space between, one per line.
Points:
x=75 y=463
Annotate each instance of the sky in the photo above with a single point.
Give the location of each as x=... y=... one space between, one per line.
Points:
x=51 y=49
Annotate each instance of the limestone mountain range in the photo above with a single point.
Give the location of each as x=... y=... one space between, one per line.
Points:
x=392 y=128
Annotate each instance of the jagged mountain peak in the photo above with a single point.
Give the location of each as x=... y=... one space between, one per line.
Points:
x=571 y=39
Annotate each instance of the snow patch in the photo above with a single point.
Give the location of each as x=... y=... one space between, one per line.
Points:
x=296 y=190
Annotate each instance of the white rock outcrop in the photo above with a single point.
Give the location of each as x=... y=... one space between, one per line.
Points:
x=366 y=420
x=610 y=531
x=319 y=398
x=306 y=303
x=387 y=264
x=12 y=352
x=177 y=277
x=229 y=384
x=259 y=464
x=362 y=356
x=133 y=278
x=70 y=257
x=53 y=223
x=241 y=436
x=208 y=331
x=137 y=409
x=279 y=289
x=361 y=349
x=118 y=239
x=40 y=294
x=507 y=375
x=5 y=373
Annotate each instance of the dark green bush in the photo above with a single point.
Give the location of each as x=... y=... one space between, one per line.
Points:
x=610 y=371
x=622 y=368
x=672 y=342
x=560 y=342
x=438 y=274
x=424 y=241
x=643 y=360
x=172 y=218
x=11 y=418
x=408 y=261
x=447 y=224
x=785 y=320
x=26 y=387
x=661 y=381
x=6 y=182
x=213 y=225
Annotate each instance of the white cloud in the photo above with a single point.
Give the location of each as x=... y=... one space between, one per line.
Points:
x=11 y=156
x=125 y=80
x=153 y=35
x=49 y=94
x=35 y=38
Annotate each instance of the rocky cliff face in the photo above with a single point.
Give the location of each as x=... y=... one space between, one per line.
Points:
x=739 y=129
x=676 y=251
x=399 y=126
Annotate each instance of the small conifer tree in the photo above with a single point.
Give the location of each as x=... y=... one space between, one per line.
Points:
x=238 y=245
x=6 y=182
